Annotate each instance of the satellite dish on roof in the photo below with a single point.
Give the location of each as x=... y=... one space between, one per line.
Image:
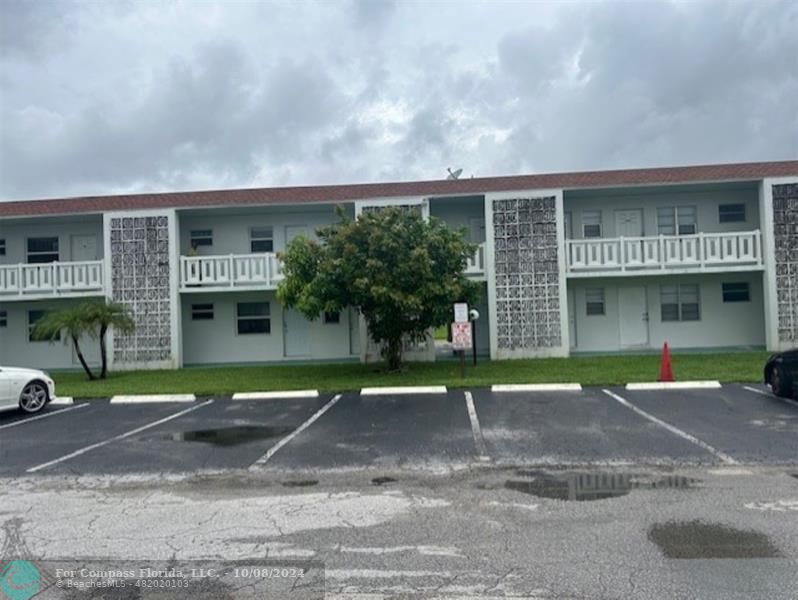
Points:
x=454 y=174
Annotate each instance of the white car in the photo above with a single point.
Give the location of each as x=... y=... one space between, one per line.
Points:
x=27 y=389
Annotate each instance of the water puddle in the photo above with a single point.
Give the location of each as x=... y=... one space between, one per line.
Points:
x=584 y=487
x=382 y=480
x=302 y=483
x=230 y=436
x=696 y=539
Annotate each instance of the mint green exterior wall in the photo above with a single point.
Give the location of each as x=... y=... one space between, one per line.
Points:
x=706 y=203
x=739 y=324
x=16 y=232
x=16 y=350
x=217 y=340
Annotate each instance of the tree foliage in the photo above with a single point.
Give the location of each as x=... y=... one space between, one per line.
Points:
x=400 y=271
x=90 y=319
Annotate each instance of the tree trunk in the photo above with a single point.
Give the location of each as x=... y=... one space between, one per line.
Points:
x=103 y=353
x=80 y=357
x=393 y=354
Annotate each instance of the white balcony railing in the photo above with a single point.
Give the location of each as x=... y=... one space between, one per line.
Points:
x=700 y=252
x=231 y=271
x=475 y=267
x=263 y=270
x=51 y=279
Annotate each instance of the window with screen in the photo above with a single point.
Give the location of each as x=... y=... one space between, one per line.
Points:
x=201 y=237
x=42 y=249
x=731 y=213
x=677 y=220
x=252 y=318
x=202 y=312
x=680 y=303
x=591 y=223
x=2 y=247
x=34 y=316
x=261 y=239
x=738 y=291
x=594 y=301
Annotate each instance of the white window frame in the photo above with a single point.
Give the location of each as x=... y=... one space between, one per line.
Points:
x=675 y=214
x=743 y=286
x=734 y=206
x=603 y=301
x=680 y=292
x=261 y=238
x=267 y=317
x=197 y=238
x=202 y=311
x=57 y=251
x=31 y=324
x=600 y=224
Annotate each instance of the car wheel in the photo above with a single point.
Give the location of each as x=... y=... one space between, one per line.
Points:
x=33 y=397
x=778 y=382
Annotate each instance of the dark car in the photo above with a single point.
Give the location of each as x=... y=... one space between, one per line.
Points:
x=781 y=372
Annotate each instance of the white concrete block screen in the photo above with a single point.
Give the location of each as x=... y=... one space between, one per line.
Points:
x=701 y=257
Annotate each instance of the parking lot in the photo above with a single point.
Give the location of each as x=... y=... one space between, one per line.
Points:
x=735 y=424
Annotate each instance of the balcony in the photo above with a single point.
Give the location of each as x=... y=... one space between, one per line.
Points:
x=700 y=253
x=231 y=272
x=475 y=267
x=260 y=271
x=51 y=280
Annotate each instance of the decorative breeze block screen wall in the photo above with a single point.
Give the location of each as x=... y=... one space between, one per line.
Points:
x=140 y=281
x=527 y=273
x=785 y=229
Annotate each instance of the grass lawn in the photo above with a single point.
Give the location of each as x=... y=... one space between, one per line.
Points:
x=594 y=370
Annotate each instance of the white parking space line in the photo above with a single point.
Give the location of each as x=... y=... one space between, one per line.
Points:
x=44 y=416
x=315 y=417
x=723 y=457
x=537 y=387
x=770 y=394
x=476 y=430
x=407 y=389
x=276 y=395
x=148 y=398
x=673 y=385
x=116 y=438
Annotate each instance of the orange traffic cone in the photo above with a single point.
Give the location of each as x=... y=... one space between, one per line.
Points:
x=665 y=370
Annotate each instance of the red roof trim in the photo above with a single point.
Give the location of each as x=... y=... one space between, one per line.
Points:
x=343 y=193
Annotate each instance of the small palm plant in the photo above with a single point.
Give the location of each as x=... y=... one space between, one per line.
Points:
x=92 y=319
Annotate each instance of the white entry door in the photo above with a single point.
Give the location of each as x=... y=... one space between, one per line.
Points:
x=629 y=223
x=296 y=334
x=84 y=247
x=633 y=315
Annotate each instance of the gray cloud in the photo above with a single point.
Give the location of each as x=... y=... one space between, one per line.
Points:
x=137 y=97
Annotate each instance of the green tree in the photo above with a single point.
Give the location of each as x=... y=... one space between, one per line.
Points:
x=400 y=271
x=92 y=319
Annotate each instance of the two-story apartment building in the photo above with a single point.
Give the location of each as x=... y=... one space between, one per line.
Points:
x=702 y=257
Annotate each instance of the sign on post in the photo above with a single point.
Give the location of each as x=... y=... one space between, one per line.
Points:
x=461 y=336
x=460 y=312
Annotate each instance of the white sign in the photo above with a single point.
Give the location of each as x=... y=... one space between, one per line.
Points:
x=461 y=336
x=460 y=312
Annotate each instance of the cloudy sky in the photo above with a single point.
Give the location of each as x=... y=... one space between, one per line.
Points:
x=110 y=97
